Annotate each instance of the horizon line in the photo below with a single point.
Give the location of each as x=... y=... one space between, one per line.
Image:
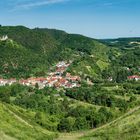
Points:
x=63 y=30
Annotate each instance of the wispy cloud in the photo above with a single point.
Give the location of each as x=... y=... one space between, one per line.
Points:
x=108 y=4
x=116 y=3
x=31 y=4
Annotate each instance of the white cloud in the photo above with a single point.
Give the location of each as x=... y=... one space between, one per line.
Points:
x=31 y=4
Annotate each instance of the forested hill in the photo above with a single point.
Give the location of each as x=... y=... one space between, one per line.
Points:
x=32 y=52
x=122 y=42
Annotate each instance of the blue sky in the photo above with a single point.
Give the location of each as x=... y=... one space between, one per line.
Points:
x=93 y=18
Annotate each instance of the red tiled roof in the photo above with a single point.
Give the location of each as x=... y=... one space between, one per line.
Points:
x=63 y=81
x=53 y=78
x=37 y=79
x=62 y=68
x=133 y=77
x=23 y=81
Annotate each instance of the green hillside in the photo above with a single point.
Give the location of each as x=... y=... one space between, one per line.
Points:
x=41 y=114
x=32 y=51
x=124 y=128
x=17 y=124
x=17 y=61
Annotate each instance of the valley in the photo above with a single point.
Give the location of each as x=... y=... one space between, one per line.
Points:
x=55 y=85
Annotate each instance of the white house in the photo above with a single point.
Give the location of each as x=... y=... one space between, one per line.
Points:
x=12 y=81
x=3 y=38
x=3 y=82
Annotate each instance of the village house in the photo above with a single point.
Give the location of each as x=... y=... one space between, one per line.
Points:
x=68 y=85
x=61 y=67
x=51 y=81
x=24 y=82
x=41 y=85
x=60 y=71
x=63 y=82
x=61 y=64
x=57 y=85
x=110 y=79
x=72 y=78
x=89 y=82
x=3 y=82
x=11 y=81
x=51 y=73
x=72 y=85
x=3 y=38
x=134 y=77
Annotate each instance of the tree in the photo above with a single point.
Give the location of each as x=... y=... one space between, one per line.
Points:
x=36 y=86
x=132 y=99
x=5 y=96
x=91 y=116
x=81 y=123
x=110 y=101
x=105 y=114
x=65 y=103
x=39 y=118
x=122 y=104
x=66 y=124
x=121 y=75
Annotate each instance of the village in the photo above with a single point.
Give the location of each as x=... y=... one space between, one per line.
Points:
x=55 y=79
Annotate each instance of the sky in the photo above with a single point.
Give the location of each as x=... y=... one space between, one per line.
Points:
x=92 y=18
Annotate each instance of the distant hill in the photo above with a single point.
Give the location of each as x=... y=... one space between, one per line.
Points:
x=123 y=42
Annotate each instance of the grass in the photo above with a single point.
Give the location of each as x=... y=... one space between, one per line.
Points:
x=102 y=65
x=84 y=104
x=13 y=126
x=111 y=88
x=3 y=136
